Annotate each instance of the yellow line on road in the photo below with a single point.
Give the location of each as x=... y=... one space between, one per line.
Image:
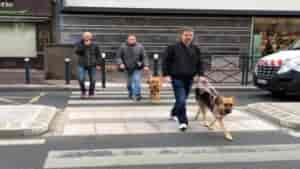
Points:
x=37 y=98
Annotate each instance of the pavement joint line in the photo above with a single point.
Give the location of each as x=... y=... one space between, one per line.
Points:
x=36 y=98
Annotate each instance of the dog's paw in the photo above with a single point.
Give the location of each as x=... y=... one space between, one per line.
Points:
x=205 y=124
x=228 y=137
x=211 y=127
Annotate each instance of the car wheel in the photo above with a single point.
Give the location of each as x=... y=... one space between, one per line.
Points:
x=278 y=93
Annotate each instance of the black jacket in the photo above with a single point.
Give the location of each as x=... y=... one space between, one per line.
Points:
x=88 y=56
x=181 y=61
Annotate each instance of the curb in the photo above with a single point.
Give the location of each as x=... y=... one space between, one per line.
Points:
x=274 y=115
x=39 y=126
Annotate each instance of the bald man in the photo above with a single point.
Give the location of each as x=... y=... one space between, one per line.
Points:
x=89 y=59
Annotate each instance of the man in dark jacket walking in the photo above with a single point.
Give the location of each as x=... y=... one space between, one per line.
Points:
x=132 y=58
x=181 y=65
x=89 y=59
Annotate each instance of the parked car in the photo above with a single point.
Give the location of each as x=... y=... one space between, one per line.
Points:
x=279 y=72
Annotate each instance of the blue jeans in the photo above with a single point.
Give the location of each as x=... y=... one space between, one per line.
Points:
x=181 y=88
x=134 y=83
x=81 y=72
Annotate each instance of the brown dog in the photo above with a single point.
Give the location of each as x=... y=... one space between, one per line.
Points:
x=208 y=98
x=155 y=84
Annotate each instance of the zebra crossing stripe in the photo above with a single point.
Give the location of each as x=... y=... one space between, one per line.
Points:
x=8 y=142
x=170 y=155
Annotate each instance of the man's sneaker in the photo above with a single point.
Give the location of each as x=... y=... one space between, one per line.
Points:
x=173 y=118
x=138 y=98
x=91 y=94
x=130 y=96
x=183 y=127
x=83 y=95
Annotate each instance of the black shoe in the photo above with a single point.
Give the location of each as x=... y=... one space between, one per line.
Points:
x=138 y=98
x=91 y=94
x=83 y=95
x=130 y=97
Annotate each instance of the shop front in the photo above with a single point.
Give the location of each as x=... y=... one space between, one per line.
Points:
x=229 y=34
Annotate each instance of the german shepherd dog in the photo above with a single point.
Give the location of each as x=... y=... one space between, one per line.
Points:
x=208 y=98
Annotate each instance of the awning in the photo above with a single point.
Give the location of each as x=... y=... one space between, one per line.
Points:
x=253 y=7
x=23 y=19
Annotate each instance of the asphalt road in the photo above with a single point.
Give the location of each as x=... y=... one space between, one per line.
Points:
x=60 y=99
x=93 y=152
x=38 y=156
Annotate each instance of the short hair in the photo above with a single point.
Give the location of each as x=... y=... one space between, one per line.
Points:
x=186 y=29
x=88 y=35
x=131 y=35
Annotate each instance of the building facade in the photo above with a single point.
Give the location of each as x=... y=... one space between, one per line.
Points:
x=231 y=35
x=25 y=31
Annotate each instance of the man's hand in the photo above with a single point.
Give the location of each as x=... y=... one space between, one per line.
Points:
x=167 y=79
x=146 y=69
x=203 y=79
x=98 y=67
x=122 y=66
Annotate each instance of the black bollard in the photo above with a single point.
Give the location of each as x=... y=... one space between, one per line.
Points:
x=27 y=71
x=103 y=70
x=67 y=70
x=155 y=66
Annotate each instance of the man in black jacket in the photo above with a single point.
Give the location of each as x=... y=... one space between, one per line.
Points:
x=89 y=59
x=181 y=65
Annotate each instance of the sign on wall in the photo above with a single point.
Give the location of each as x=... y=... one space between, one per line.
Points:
x=17 y=40
x=253 y=5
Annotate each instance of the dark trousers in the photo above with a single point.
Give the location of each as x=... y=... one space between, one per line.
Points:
x=81 y=78
x=181 y=88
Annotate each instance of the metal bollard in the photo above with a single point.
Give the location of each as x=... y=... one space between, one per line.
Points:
x=27 y=71
x=156 y=60
x=103 y=70
x=67 y=70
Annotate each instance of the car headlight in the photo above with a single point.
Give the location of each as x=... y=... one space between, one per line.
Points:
x=289 y=65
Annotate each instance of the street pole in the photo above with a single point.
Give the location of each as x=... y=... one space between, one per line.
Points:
x=103 y=70
x=67 y=70
x=156 y=59
x=27 y=70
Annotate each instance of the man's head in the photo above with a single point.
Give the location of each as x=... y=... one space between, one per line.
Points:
x=131 y=39
x=186 y=35
x=87 y=38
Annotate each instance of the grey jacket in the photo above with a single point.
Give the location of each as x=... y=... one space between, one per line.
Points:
x=88 y=56
x=133 y=57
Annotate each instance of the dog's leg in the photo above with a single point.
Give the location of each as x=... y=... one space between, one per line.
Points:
x=211 y=126
x=227 y=134
x=198 y=112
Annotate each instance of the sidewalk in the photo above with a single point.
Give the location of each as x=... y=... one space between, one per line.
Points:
x=283 y=114
x=59 y=85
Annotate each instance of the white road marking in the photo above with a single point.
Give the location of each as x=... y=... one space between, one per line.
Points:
x=171 y=155
x=8 y=101
x=8 y=142
x=36 y=98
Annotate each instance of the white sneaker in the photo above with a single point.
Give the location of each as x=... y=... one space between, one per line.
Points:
x=173 y=118
x=183 y=127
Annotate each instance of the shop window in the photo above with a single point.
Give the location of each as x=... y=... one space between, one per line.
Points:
x=7 y=3
x=274 y=34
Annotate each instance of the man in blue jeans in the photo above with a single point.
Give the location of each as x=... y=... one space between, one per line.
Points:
x=132 y=58
x=181 y=65
x=89 y=59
